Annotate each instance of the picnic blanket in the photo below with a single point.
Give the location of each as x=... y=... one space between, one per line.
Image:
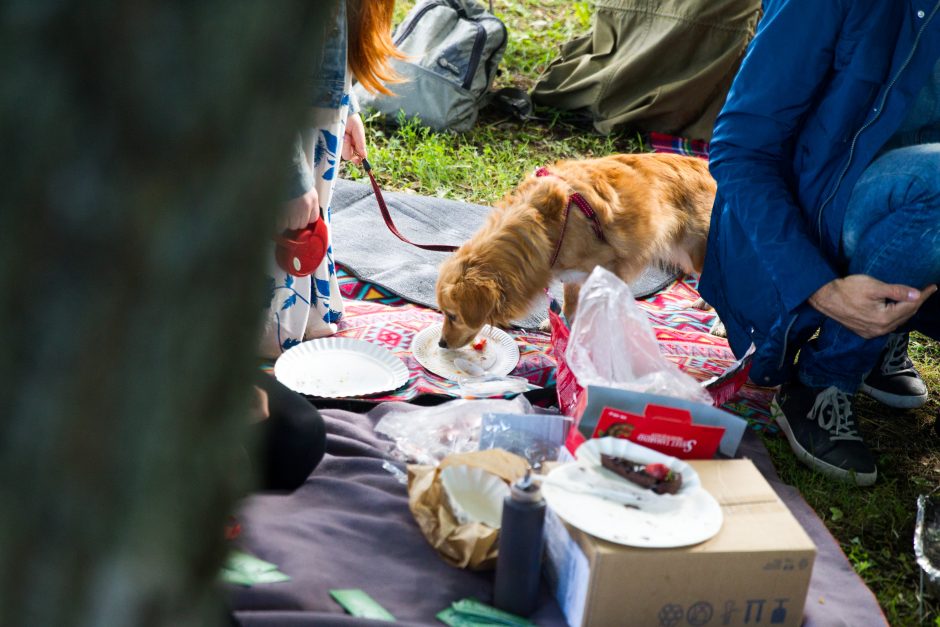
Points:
x=375 y=314
x=349 y=526
x=410 y=272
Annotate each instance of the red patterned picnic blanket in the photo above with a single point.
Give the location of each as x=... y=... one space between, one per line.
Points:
x=376 y=315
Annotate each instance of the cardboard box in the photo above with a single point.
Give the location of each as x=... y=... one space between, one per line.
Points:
x=756 y=571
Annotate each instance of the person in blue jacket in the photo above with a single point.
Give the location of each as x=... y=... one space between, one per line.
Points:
x=824 y=250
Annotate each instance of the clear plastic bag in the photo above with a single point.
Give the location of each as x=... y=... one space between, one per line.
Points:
x=612 y=344
x=487 y=386
x=427 y=435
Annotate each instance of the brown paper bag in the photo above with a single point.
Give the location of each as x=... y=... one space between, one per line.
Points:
x=472 y=545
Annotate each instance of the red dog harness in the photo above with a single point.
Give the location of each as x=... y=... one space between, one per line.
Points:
x=585 y=208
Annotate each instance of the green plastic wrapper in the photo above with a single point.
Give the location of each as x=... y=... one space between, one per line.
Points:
x=359 y=604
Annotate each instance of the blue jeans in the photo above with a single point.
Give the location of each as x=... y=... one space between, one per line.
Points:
x=891 y=232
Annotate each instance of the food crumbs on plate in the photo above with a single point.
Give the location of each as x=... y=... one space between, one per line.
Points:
x=479 y=344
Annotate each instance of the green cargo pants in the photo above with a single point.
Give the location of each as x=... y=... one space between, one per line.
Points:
x=652 y=65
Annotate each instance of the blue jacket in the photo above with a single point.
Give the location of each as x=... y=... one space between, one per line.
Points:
x=823 y=85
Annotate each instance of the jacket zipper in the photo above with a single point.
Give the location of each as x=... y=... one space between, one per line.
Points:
x=786 y=340
x=414 y=21
x=878 y=109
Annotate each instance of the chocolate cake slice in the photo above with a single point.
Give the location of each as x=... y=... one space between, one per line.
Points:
x=656 y=477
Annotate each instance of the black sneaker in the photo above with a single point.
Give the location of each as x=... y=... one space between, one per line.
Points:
x=821 y=429
x=894 y=381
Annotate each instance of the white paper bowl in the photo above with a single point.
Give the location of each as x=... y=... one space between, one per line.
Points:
x=590 y=452
x=474 y=494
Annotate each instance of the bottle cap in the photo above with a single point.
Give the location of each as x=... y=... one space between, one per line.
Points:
x=525 y=489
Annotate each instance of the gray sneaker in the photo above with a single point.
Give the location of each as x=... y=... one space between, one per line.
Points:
x=894 y=381
x=820 y=426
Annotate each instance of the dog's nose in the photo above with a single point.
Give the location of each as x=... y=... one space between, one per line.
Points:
x=442 y=343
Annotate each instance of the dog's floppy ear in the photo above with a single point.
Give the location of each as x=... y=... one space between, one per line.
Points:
x=477 y=296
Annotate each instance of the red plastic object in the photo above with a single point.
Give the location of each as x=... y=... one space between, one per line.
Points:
x=300 y=252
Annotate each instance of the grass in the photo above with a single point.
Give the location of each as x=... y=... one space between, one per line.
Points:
x=874 y=526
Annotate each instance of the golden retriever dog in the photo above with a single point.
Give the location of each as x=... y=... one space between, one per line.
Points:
x=651 y=208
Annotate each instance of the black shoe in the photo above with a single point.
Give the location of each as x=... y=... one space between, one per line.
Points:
x=821 y=429
x=894 y=381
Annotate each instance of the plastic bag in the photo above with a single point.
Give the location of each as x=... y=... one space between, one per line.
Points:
x=612 y=344
x=427 y=435
x=537 y=438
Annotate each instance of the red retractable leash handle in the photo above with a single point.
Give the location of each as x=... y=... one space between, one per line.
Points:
x=299 y=252
x=442 y=248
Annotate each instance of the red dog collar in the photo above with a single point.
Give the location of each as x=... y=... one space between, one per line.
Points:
x=585 y=208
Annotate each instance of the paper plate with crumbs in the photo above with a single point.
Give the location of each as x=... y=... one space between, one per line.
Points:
x=493 y=352
x=340 y=367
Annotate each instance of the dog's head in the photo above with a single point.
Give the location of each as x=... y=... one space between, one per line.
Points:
x=468 y=299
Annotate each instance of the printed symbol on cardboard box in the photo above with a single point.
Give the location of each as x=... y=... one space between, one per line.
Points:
x=788 y=564
x=804 y=564
x=779 y=614
x=776 y=564
x=671 y=615
x=699 y=614
x=754 y=610
x=728 y=615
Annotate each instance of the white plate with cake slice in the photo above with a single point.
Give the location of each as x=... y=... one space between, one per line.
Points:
x=643 y=518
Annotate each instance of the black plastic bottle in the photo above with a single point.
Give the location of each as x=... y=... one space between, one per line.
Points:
x=519 y=564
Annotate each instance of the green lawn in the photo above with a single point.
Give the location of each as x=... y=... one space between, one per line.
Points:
x=875 y=525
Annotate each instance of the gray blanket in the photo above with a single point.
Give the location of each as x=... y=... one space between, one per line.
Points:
x=370 y=251
x=349 y=526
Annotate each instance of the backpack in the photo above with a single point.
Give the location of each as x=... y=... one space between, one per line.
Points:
x=453 y=48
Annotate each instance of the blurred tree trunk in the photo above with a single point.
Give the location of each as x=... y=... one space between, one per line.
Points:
x=144 y=152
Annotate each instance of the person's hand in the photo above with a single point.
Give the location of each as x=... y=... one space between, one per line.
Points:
x=867 y=306
x=300 y=211
x=354 y=142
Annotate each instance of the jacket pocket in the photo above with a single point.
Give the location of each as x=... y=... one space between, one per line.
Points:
x=859 y=72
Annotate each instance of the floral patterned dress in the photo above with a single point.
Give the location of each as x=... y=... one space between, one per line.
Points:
x=309 y=307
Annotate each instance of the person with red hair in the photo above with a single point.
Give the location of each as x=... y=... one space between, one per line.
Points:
x=308 y=306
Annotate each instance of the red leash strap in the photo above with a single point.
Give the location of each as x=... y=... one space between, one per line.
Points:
x=388 y=218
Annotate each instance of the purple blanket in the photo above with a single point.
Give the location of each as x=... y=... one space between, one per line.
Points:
x=349 y=526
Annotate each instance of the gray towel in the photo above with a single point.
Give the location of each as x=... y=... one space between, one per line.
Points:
x=369 y=250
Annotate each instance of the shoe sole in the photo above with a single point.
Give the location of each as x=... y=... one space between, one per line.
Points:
x=897 y=401
x=861 y=479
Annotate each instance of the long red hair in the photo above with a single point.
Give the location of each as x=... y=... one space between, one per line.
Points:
x=370 y=43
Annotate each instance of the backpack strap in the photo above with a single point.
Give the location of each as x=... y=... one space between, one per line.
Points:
x=513 y=101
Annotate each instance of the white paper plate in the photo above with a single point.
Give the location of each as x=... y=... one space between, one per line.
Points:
x=474 y=494
x=499 y=357
x=337 y=367
x=658 y=521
